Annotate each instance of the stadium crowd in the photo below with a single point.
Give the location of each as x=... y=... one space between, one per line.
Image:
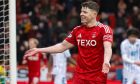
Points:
x=47 y=20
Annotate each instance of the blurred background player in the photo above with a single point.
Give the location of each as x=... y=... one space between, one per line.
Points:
x=59 y=61
x=130 y=49
x=33 y=62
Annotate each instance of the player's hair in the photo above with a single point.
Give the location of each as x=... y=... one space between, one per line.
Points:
x=133 y=31
x=91 y=5
x=35 y=40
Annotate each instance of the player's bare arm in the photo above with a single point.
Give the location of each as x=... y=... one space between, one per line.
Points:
x=71 y=60
x=60 y=47
x=49 y=64
x=137 y=63
x=126 y=59
x=107 y=56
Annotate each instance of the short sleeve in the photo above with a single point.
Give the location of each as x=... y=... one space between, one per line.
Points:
x=107 y=34
x=71 y=38
x=123 y=49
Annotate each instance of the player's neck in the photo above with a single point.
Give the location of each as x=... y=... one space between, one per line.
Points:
x=92 y=23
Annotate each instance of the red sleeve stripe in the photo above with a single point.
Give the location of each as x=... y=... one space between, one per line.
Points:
x=106 y=28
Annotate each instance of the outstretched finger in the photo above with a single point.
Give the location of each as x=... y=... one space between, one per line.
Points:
x=28 y=51
x=105 y=70
x=27 y=54
x=107 y=65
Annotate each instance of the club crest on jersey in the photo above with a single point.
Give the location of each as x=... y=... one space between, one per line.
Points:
x=94 y=35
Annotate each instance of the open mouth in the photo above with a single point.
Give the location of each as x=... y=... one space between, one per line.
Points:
x=82 y=17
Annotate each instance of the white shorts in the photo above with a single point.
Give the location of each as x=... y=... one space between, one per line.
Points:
x=60 y=79
x=129 y=78
x=59 y=73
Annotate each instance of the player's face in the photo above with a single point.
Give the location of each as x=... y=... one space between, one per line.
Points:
x=132 y=39
x=87 y=15
x=32 y=44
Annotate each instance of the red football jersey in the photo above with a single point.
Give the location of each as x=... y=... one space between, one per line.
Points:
x=90 y=48
x=34 y=64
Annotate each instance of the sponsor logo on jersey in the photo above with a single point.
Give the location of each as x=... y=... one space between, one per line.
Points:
x=33 y=58
x=83 y=42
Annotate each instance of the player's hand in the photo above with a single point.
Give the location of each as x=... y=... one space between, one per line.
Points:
x=49 y=77
x=106 y=67
x=31 y=52
x=137 y=63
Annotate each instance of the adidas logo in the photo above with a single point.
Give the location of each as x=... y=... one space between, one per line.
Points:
x=79 y=36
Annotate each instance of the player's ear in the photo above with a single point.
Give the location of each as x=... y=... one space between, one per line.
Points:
x=94 y=13
x=35 y=40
